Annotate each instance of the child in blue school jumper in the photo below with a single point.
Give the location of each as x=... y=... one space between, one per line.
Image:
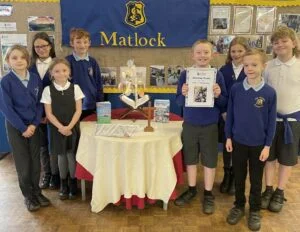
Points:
x=200 y=130
x=250 y=129
x=42 y=54
x=20 y=95
x=233 y=71
x=63 y=104
x=85 y=71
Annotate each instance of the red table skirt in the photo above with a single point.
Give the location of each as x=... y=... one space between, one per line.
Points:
x=82 y=173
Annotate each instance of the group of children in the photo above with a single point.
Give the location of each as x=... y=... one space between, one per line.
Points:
x=244 y=114
x=47 y=134
x=257 y=107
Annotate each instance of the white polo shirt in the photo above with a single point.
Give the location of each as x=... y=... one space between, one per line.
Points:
x=285 y=79
x=237 y=70
x=42 y=66
x=46 y=96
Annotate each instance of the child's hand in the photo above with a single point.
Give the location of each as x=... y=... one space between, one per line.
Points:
x=32 y=128
x=184 y=89
x=65 y=131
x=216 y=90
x=29 y=132
x=228 y=145
x=264 y=154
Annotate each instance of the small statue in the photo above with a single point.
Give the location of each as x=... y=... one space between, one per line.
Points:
x=131 y=84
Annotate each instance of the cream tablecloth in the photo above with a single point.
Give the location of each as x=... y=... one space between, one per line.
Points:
x=140 y=165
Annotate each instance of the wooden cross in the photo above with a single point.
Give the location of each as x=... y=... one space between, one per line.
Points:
x=149 y=128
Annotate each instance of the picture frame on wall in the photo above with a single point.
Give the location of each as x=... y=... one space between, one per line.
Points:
x=242 y=19
x=255 y=41
x=265 y=19
x=290 y=20
x=220 y=19
x=221 y=43
x=109 y=76
x=269 y=47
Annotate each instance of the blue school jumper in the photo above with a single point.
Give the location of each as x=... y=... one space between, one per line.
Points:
x=20 y=105
x=46 y=80
x=229 y=76
x=86 y=74
x=251 y=114
x=202 y=116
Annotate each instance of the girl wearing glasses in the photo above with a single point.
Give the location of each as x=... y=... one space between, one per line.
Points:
x=42 y=54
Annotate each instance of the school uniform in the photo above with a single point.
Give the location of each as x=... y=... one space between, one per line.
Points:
x=63 y=104
x=200 y=131
x=21 y=107
x=250 y=123
x=49 y=164
x=86 y=73
x=41 y=69
x=232 y=74
x=285 y=79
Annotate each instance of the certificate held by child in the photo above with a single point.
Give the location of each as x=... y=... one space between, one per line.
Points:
x=200 y=83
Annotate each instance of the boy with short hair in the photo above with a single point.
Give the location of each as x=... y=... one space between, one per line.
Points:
x=250 y=128
x=200 y=130
x=85 y=71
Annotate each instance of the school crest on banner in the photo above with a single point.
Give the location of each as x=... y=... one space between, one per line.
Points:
x=140 y=23
x=135 y=15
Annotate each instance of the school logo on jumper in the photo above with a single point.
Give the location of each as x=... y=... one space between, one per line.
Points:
x=36 y=91
x=90 y=71
x=259 y=102
x=135 y=15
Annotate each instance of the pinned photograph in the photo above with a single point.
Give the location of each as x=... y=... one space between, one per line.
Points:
x=6 y=9
x=220 y=19
x=41 y=23
x=269 y=48
x=109 y=76
x=173 y=74
x=290 y=20
x=157 y=75
x=221 y=43
x=255 y=41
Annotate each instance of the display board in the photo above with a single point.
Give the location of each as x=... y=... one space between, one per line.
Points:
x=158 y=61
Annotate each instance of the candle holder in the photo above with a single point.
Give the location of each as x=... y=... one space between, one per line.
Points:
x=149 y=128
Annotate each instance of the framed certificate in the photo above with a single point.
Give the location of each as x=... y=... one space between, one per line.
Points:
x=200 y=82
x=220 y=19
x=265 y=19
x=242 y=21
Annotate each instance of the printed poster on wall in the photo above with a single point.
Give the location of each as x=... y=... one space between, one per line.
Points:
x=8 y=40
x=220 y=19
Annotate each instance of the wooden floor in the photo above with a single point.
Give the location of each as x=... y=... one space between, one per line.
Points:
x=65 y=216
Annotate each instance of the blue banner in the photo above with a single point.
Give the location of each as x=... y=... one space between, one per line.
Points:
x=147 y=23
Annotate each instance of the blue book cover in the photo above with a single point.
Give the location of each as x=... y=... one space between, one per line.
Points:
x=161 y=110
x=103 y=112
